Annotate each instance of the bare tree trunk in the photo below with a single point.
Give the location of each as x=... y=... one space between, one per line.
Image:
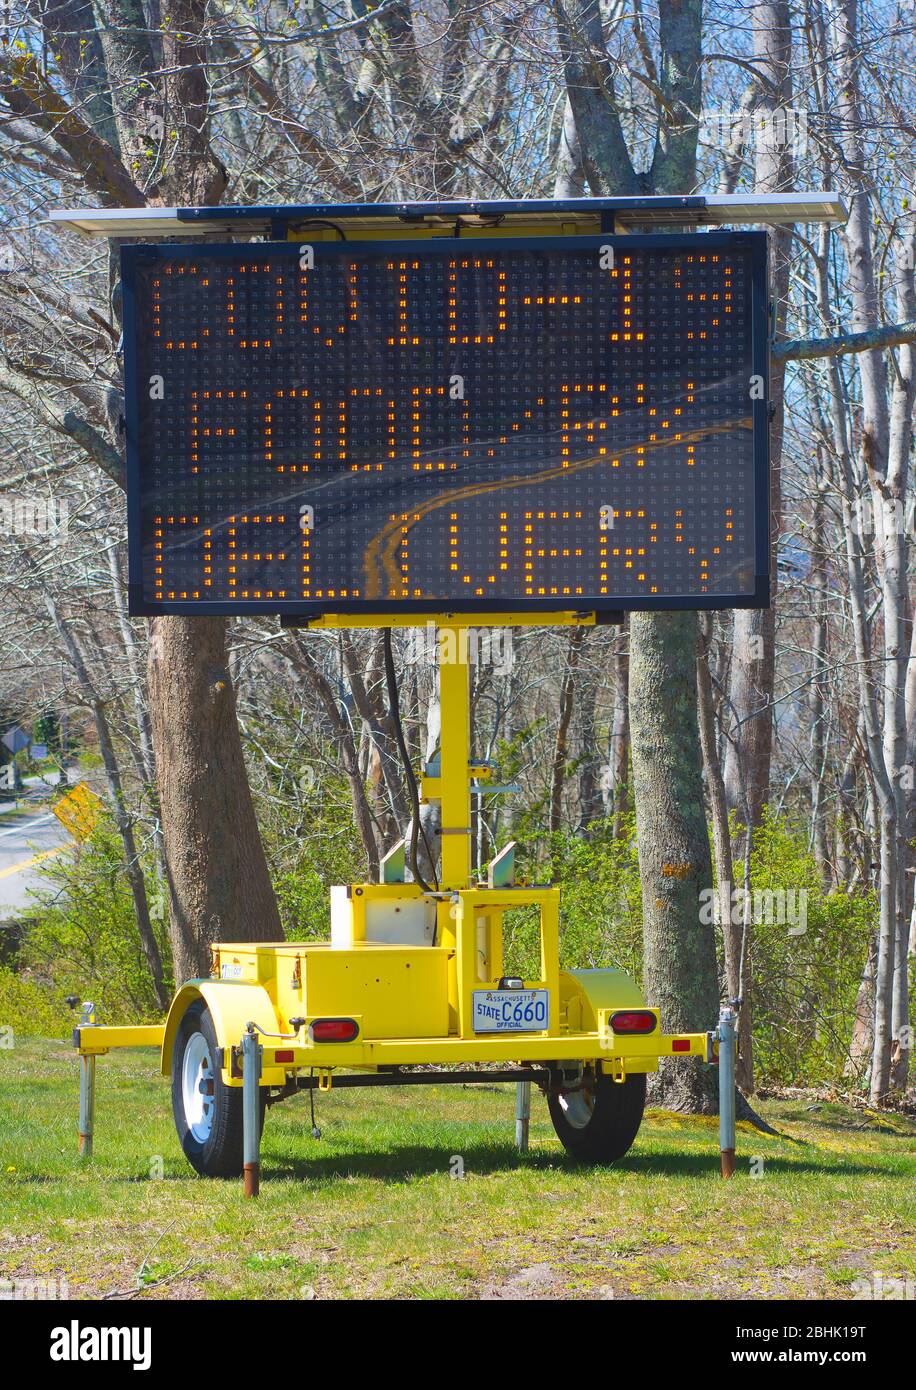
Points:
x=218 y=882
x=736 y=973
x=378 y=726
x=589 y=788
x=749 y=750
x=619 y=762
x=892 y=490
x=133 y=867
x=862 y=1039
x=674 y=860
x=674 y=856
x=874 y=452
x=134 y=666
x=816 y=703
x=561 y=744
x=429 y=843
x=674 y=863
x=570 y=180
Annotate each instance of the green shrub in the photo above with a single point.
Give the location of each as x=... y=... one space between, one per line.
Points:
x=600 y=905
x=31 y=1007
x=804 y=984
x=310 y=844
x=84 y=934
x=303 y=889
x=601 y=899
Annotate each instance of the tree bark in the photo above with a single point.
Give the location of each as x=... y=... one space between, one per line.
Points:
x=561 y=743
x=862 y=1038
x=674 y=862
x=884 y=448
x=816 y=702
x=218 y=883
x=569 y=181
x=619 y=760
x=590 y=800
x=737 y=972
x=749 y=750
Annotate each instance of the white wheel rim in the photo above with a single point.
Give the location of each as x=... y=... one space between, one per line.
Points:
x=196 y=1073
x=578 y=1107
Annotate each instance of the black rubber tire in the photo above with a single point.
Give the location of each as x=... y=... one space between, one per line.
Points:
x=221 y=1155
x=617 y=1110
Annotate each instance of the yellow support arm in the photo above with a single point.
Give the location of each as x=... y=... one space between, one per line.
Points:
x=93 y=1041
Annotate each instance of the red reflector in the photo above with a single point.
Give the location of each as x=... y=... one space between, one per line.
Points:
x=680 y=1045
x=284 y=1056
x=334 y=1030
x=633 y=1021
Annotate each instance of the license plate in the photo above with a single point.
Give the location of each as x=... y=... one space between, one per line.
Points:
x=510 y=1010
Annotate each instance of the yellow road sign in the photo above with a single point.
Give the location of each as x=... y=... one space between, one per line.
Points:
x=78 y=811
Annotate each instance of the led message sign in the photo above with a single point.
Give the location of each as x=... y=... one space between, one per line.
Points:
x=447 y=424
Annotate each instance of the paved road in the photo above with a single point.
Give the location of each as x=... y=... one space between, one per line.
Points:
x=26 y=840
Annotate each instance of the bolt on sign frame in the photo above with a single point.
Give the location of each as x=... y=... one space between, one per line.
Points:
x=411 y=971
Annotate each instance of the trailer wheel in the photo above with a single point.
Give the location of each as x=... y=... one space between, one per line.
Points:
x=208 y=1113
x=598 y=1120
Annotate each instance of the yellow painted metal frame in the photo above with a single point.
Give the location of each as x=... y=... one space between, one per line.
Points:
x=340 y=621
x=632 y=1053
x=615 y=1053
x=95 y=1040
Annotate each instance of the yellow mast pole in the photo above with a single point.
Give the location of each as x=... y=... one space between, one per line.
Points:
x=455 y=748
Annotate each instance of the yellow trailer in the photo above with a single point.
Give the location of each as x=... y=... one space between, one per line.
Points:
x=412 y=976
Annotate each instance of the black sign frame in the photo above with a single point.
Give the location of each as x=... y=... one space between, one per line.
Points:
x=610 y=606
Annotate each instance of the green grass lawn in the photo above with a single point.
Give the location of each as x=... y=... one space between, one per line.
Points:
x=371 y=1209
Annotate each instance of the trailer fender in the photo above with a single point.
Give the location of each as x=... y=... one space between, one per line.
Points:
x=232 y=1004
x=584 y=992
